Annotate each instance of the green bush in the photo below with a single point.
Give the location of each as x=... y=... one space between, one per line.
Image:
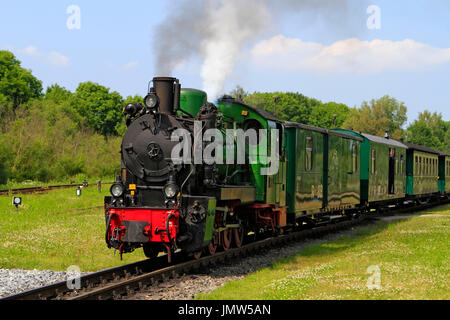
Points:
x=46 y=143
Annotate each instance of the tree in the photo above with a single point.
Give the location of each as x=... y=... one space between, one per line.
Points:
x=17 y=85
x=58 y=94
x=420 y=133
x=133 y=99
x=446 y=146
x=101 y=110
x=290 y=106
x=429 y=130
x=121 y=127
x=378 y=116
x=323 y=115
x=5 y=156
x=238 y=92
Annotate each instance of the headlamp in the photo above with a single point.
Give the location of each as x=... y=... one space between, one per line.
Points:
x=151 y=100
x=117 y=190
x=171 y=190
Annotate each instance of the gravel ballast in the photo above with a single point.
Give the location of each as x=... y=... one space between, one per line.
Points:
x=14 y=281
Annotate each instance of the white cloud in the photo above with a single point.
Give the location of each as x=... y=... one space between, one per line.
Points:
x=131 y=65
x=30 y=51
x=52 y=57
x=347 y=56
x=58 y=59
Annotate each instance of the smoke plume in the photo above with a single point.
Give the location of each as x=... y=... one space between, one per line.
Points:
x=216 y=31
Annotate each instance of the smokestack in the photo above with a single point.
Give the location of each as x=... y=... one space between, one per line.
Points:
x=168 y=91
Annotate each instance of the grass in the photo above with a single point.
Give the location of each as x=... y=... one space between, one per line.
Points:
x=43 y=234
x=412 y=256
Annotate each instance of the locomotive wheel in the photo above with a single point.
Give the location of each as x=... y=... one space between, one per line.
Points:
x=212 y=247
x=238 y=236
x=150 y=251
x=226 y=239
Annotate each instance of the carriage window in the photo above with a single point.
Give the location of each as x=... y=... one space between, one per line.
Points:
x=401 y=164
x=354 y=157
x=397 y=169
x=424 y=163
x=417 y=166
x=427 y=167
x=309 y=154
x=420 y=166
x=423 y=166
x=374 y=161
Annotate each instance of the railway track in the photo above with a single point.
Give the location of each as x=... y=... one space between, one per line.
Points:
x=123 y=281
x=39 y=189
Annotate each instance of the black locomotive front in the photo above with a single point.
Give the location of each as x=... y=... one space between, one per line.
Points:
x=145 y=208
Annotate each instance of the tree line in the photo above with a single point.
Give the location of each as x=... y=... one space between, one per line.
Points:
x=376 y=117
x=57 y=134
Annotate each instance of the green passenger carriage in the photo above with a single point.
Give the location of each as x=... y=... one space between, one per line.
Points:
x=422 y=171
x=383 y=168
x=322 y=170
x=444 y=172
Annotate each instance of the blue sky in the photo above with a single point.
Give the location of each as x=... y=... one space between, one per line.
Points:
x=114 y=48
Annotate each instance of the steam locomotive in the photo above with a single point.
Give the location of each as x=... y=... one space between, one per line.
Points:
x=171 y=196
